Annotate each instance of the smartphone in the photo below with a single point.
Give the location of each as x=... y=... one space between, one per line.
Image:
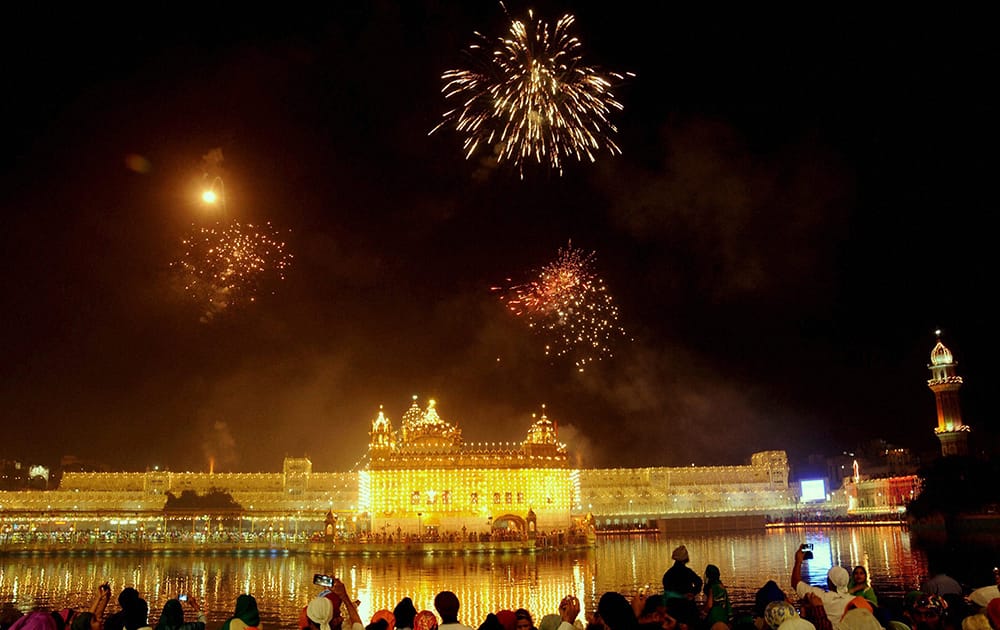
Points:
x=182 y=597
x=323 y=580
x=807 y=549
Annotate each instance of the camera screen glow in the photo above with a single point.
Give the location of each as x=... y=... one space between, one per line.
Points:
x=813 y=490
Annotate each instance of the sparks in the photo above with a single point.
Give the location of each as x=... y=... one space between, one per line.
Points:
x=230 y=264
x=530 y=98
x=570 y=306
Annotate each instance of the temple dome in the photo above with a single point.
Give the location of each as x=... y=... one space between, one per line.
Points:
x=413 y=415
x=542 y=431
x=428 y=429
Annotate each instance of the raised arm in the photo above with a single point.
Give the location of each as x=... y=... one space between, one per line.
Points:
x=101 y=600
x=352 y=609
x=797 y=568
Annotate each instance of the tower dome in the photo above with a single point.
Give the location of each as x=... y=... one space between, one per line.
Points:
x=941 y=355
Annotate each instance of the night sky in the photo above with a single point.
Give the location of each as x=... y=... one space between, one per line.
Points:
x=801 y=200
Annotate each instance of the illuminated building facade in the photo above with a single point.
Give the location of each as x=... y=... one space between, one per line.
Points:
x=638 y=494
x=882 y=495
x=428 y=477
x=422 y=478
x=945 y=383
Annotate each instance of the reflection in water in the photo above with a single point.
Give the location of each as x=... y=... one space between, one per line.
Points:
x=484 y=583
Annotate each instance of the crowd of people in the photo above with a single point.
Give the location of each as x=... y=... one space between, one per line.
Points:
x=689 y=601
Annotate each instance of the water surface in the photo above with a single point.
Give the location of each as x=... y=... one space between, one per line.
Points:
x=484 y=583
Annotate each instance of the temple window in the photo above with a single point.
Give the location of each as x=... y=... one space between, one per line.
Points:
x=415 y=498
x=507 y=497
x=496 y=497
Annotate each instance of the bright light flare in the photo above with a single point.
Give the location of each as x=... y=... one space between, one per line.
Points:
x=209 y=196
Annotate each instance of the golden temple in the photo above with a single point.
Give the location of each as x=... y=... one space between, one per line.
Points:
x=423 y=479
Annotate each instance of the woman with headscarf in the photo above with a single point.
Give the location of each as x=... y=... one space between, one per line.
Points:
x=859 y=585
x=172 y=617
x=717 y=608
x=245 y=615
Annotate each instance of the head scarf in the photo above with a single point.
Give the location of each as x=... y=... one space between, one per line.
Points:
x=549 y=622
x=507 y=619
x=404 y=612
x=246 y=611
x=993 y=612
x=777 y=613
x=35 y=621
x=982 y=596
x=680 y=554
x=768 y=593
x=172 y=615
x=859 y=619
x=425 y=620
x=976 y=622
x=839 y=579
x=320 y=611
x=386 y=616
x=858 y=602
x=797 y=623
x=615 y=610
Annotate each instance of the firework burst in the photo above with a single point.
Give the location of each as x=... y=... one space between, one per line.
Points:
x=228 y=265
x=569 y=304
x=530 y=98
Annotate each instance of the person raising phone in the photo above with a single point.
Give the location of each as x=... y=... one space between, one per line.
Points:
x=835 y=599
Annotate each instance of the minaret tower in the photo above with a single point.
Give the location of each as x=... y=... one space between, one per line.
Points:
x=945 y=383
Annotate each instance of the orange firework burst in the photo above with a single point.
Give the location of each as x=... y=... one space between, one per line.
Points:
x=532 y=97
x=570 y=305
x=227 y=265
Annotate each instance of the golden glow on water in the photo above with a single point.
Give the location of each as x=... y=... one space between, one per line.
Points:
x=483 y=582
